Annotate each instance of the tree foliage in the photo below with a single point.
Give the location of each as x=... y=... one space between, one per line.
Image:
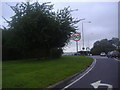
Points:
x=37 y=31
x=105 y=45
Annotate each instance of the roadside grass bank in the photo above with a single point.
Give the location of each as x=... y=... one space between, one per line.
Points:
x=34 y=73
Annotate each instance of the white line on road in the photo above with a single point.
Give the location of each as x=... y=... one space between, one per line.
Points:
x=116 y=59
x=81 y=76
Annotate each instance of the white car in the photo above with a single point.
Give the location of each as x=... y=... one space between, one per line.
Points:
x=102 y=54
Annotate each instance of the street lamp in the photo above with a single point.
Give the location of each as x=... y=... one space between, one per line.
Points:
x=82 y=19
x=83 y=34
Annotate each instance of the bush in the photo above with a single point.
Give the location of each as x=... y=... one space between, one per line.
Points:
x=55 y=52
x=11 y=54
x=36 y=31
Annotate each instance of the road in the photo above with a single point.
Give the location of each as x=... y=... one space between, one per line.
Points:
x=103 y=74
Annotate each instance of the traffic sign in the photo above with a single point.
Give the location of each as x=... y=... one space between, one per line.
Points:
x=76 y=36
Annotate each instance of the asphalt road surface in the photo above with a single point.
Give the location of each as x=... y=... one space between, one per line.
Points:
x=104 y=73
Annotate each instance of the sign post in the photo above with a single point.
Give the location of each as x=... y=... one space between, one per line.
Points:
x=77 y=46
x=76 y=37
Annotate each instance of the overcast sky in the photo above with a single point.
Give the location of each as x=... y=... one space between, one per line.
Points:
x=103 y=15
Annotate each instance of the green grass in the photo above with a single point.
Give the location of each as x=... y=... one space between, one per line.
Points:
x=33 y=73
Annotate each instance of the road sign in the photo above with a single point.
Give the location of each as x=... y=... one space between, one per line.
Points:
x=76 y=36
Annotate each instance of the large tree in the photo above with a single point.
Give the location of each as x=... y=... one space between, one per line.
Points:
x=105 y=45
x=37 y=31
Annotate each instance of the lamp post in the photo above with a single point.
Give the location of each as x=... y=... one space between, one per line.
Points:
x=82 y=19
x=83 y=34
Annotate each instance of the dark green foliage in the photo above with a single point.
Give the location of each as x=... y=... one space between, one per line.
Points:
x=105 y=46
x=36 y=31
x=55 y=52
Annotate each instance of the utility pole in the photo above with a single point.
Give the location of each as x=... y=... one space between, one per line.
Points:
x=82 y=27
x=83 y=34
x=82 y=37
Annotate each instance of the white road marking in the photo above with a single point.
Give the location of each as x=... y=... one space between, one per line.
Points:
x=81 y=76
x=98 y=83
x=116 y=59
x=113 y=58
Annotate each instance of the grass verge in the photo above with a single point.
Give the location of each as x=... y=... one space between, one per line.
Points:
x=33 y=73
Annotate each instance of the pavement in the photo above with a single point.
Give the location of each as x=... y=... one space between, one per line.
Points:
x=103 y=73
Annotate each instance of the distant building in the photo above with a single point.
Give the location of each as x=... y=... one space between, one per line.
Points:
x=119 y=20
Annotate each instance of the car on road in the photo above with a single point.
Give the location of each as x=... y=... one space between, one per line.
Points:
x=113 y=54
x=102 y=54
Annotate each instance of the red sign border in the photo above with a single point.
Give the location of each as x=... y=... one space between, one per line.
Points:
x=74 y=34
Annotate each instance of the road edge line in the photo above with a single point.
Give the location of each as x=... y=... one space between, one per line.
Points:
x=116 y=59
x=87 y=71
